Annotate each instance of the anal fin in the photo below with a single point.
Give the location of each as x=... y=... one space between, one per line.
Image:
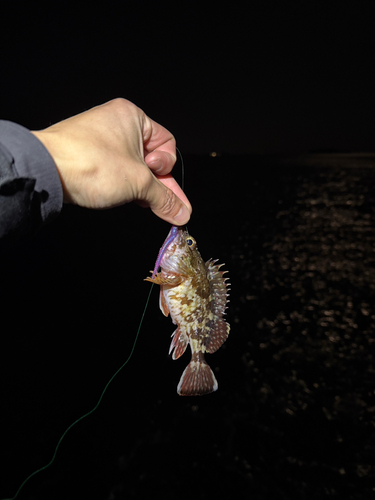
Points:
x=179 y=344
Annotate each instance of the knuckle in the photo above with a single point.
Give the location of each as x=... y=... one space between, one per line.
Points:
x=168 y=202
x=120 y=105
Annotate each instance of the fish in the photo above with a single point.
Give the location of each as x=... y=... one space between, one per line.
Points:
x=195 y=294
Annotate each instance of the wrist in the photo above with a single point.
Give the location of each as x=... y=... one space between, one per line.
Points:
x=50 y=142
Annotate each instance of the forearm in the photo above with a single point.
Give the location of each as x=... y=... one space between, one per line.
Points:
x=30 y=187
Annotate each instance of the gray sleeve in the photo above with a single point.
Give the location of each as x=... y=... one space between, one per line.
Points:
x=30 y=188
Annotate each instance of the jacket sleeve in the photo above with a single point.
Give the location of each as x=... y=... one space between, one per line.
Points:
x=30 y=188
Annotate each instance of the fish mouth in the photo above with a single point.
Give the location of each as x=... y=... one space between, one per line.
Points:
x=174 y=232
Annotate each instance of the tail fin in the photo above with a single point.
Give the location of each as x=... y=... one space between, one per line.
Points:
x=198 y=378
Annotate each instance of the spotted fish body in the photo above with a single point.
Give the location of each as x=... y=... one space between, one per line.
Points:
x=195 y=294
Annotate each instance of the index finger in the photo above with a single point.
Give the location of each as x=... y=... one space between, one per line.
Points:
x=157 y=137
x=159 y=147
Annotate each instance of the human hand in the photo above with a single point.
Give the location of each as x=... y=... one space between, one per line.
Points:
x=114 y=154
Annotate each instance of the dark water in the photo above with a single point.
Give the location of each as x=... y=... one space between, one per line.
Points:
x=294 y=414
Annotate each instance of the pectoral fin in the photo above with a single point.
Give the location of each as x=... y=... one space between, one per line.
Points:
x=171 y=279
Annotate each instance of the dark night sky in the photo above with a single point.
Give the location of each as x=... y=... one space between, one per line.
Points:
x=271 y=77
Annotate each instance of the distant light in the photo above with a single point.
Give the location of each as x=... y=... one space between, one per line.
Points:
x=213 y=154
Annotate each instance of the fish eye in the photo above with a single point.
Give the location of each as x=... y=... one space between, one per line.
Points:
x=191 y=242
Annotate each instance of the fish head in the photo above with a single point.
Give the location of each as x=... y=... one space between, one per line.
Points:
x=179 y=253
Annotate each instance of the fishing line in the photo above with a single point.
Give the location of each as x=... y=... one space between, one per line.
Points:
x=91 y=411
x=182 y=169
x=109 y=381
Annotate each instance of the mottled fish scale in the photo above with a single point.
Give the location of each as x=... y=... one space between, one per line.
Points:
x=195 y=294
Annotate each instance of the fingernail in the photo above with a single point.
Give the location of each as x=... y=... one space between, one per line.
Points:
x=182 y=216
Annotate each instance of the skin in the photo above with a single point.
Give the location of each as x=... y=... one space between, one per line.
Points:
x=114 y=154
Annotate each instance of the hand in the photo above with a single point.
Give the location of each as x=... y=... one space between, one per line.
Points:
x=114 y=154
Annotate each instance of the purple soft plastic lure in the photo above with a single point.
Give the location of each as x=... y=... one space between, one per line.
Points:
x=172 y=234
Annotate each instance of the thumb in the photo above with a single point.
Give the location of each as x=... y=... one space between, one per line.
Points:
x=167 y=205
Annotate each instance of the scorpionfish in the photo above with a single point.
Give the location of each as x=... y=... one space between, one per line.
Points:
x=195 y=294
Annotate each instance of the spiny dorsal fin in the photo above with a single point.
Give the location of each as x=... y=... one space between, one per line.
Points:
x=219 y=298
